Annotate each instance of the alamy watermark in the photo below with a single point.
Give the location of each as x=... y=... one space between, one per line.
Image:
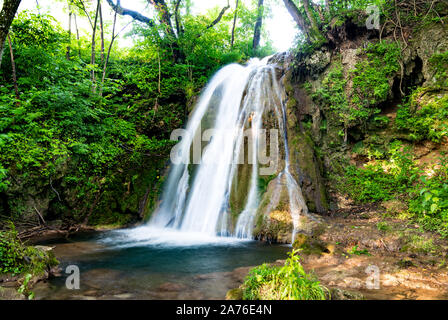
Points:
x=73 y=280
x=262 y=148
x=374 y=17
x=373 y=279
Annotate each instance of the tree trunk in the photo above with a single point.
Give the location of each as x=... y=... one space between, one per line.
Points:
x=297 y=16
x=179 y=27
x=69 y=31
x=108 y=54
x=92 y=58
x=311 y=28
x=77 y=36
x=102 y=34
x=258 y=25
x=13 y=65
x=6 y=17
x=164 y=16
x=234 y=24
x=314 y=24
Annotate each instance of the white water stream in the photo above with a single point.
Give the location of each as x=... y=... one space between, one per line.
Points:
x=198 y=188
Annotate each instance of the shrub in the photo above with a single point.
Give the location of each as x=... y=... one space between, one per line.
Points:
x=381 y=180
x=429 y=199
x=289 y=282
x=17 y=258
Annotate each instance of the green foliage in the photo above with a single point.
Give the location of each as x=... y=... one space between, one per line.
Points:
x=439 y=66
x=17 y=258
x=382 y=180
x=289 y=282
x=60 y=132
x=429 y=199
x=383 y=226
x=24 y=287
x=370 y=83
x=425 y=120
x=371 y=76
x=425 y=193
x=332 y=94
x=425 y=115
x=358 y=252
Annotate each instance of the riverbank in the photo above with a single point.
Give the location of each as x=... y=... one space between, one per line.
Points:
x=411 y=264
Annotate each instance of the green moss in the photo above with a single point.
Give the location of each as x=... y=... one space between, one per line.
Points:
x=234 y=294
x=439 y=66
x=310 y=245
x=303 y=155
x=425 y=116
x=351 y=98
x=372 y=77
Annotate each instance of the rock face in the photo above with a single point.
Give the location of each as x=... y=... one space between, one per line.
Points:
x=318 y=149
x=127 y=196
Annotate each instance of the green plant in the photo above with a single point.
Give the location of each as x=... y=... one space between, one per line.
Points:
x=424 y=116
x=24 y=287
x=289 y=282
x=429 y=199
x=383 y=226
x=356 y=251
x=371 y=77
x=382 y=180
x=17 y=258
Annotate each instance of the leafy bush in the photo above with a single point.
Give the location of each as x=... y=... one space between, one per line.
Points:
x=429 y=199
x=381 y=180
x=17 y=258
x=289 y=282
x=424 y=120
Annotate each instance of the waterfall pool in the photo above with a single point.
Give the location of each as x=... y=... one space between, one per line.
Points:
x=146 y=263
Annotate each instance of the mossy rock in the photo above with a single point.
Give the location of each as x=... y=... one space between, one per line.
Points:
x=234 y=294
x=310 y=244
x=339 y=294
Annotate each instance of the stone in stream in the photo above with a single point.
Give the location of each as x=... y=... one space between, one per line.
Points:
x=171 y=287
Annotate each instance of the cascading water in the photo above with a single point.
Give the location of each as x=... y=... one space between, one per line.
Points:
x=196 y=195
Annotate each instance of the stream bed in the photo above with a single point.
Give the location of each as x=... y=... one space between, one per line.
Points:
x=148 y=263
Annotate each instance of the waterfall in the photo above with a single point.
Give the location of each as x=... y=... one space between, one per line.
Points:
x=233 y=106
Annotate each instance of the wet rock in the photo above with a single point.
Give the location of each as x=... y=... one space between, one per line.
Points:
x=44 y=248
x=123 y=296
x=10 y=294
x=339 y=294
x=171 y=287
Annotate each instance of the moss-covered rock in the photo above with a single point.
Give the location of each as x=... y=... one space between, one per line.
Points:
x=234 y=294
x=310 y=244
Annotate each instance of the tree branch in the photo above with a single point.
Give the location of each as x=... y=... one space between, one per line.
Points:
x=221 y=14
x=127 y=12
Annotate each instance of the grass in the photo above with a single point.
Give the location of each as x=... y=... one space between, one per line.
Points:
x=288 y=282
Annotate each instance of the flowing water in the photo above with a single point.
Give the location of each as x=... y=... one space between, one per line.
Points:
x=115 y=265
x=193 y=242
x=233 y=105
